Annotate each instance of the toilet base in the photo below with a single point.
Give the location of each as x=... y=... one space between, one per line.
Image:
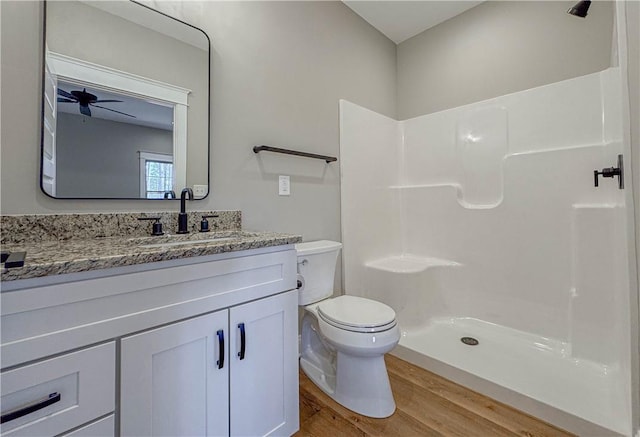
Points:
x=351 y=384
x=326 y=382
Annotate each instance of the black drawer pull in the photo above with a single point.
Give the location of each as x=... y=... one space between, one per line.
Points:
x=243 y=341
x=220 y=362
x=30 y=408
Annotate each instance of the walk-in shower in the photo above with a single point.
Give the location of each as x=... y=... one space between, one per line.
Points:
x=482 y=222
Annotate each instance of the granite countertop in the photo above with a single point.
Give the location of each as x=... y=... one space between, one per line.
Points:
x=69 y=253
x=59 y=257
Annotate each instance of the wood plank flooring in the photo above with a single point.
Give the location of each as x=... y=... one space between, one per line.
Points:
x=427 y=405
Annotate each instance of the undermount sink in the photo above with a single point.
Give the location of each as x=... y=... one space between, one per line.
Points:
x=169 y=240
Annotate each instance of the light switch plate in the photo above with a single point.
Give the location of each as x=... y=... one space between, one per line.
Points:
x=199 y=191
x=284 y=185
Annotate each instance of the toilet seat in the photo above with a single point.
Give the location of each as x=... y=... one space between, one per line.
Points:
x=357 y=314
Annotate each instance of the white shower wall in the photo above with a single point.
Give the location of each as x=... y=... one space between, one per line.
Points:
x=489 y=211
x=370 y=144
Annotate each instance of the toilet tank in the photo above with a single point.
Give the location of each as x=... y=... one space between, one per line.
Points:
x=316 y=269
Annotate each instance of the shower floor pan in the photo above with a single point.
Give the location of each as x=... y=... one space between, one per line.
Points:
x=533 y=366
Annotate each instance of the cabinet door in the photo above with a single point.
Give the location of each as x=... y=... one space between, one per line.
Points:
x=171 y=380
x=264 y=381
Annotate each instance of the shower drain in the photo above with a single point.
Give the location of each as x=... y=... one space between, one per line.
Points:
x=469 y=341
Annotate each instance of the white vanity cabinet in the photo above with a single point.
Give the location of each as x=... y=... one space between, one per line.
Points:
x=263 y=389
x=173 y=332
x=225 y=373
x=171 y=383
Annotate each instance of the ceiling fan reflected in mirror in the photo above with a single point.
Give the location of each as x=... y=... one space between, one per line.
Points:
x=85 y=99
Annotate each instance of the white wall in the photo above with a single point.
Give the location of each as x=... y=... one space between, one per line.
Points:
x=500 y=47
x=370 y=163
x=278 y=72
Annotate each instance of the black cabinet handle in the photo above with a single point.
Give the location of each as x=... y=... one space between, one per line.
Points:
x=30 y=408
x=243 y=341
x=220 y=362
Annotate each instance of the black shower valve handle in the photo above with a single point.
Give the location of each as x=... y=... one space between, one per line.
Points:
x=607 y=172
x=610 y=172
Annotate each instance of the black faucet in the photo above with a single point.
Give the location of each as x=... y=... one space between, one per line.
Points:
x=183 y=226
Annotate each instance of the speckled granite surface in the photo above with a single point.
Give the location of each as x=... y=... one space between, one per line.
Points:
x=61 y=227
x=105 y=241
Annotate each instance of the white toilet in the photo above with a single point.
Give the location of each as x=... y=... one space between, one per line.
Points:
x=344 y=339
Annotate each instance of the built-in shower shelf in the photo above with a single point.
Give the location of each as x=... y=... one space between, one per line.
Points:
x=409 y=264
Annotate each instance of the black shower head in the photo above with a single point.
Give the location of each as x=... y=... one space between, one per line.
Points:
x=580 y=9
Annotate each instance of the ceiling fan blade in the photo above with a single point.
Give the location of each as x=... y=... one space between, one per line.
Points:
x=85 y=110
x=104 y=101
x=113 y=110
x=60 y=99
x=63 y=93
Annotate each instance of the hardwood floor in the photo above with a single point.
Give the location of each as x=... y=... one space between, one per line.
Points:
x=427 y=405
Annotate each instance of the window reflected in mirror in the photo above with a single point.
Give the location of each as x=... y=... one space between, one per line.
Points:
x=156 y=172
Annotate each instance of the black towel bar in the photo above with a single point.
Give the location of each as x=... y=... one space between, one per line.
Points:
x=328 y=159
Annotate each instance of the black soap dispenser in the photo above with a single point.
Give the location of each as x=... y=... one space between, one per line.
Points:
x=204 y=224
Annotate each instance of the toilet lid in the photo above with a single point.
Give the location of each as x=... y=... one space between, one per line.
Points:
x=357 y=312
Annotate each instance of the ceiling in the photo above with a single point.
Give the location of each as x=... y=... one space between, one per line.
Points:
x=400 y=20
x=146 y=113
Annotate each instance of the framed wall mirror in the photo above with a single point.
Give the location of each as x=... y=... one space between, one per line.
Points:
x=125 y=108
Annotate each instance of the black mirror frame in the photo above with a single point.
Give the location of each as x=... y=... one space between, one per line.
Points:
x=42 y=85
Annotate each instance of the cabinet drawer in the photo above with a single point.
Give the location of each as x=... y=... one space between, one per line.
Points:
x=72 y=389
